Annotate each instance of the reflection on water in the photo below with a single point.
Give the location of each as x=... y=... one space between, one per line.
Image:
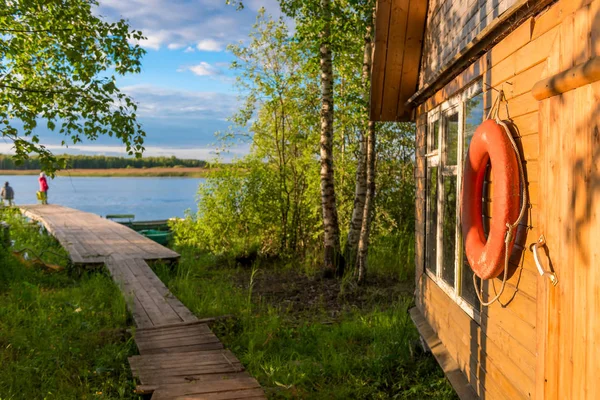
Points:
x=147 y=198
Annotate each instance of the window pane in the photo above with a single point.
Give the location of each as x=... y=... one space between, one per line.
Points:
x=434 y=137
x=431 y=218
x=451 y=132
x=449 y=229
x=473 y=118
x=468 y=291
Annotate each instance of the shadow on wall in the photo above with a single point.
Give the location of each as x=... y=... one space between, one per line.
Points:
x=585 y=174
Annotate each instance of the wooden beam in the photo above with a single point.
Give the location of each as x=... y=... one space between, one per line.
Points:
x=395 y=58
x=382 y=23
x=573 y=78
x=412 y=56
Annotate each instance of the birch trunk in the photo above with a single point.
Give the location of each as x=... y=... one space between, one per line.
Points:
x=363 y=244
x=333 y=261
x=360 y=191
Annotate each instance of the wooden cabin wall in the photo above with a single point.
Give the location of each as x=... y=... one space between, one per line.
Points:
x=568 y=314
x=526 y=345
x=452 y=25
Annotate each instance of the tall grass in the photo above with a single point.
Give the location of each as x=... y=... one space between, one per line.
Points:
x=393 y=256
x=60 y=337
x=364 y=353
x=208 y=292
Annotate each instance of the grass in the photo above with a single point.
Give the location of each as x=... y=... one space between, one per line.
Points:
x=358 y=344
x=61 y=337
x=124 y=172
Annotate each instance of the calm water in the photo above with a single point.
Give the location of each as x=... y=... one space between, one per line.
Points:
x=147 y=198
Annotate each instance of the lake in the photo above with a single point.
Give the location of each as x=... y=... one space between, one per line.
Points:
x=147 y=198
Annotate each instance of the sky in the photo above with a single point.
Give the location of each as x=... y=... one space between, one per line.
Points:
x=185 y=91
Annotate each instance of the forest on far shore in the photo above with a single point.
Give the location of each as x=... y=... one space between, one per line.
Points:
x=8 y=162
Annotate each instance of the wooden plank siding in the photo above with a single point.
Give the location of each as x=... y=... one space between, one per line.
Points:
x=527 y=346
x=420 y=175
x=569 y=159
x=451 y=26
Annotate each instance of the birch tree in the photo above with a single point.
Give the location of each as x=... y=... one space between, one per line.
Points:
x=363 y=244
x=356 y=221
x=333 y=260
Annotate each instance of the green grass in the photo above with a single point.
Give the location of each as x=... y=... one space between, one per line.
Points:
x=61 y=337
x=364 y=352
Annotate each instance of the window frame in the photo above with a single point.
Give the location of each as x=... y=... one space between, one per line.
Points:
x=436 y=158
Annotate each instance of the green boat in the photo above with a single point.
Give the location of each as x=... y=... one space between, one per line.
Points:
x=158 y=230
x=160 y=237
x=128 y=220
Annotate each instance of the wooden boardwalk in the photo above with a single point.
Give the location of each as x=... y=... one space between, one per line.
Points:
x=180 y=357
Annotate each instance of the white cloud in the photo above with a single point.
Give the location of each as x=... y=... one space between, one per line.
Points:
x=155 y=39
x=189 y=49
x=208 y=24
x=175 y=46
x=209 y=45
x=202 y=69
x=159 y=102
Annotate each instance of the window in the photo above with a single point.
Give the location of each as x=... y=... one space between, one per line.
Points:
x=450 y=129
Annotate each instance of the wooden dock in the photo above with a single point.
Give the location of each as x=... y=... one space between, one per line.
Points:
x=180 y=357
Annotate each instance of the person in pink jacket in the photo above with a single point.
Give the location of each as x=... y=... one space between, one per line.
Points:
x=43 y=193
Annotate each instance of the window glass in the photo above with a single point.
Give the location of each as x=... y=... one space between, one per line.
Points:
x=449 y=229
x=434 y=136
x=451 y=136
x=468 y=291
x=457 y=122
x=473 y=118
x=431 y=217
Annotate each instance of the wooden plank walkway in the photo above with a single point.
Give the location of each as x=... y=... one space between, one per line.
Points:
x=180 y=357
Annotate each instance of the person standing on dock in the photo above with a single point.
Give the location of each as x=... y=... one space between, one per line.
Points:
x=7 y=194
x=43 y=193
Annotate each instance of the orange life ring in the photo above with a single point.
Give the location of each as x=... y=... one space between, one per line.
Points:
x=490 y=143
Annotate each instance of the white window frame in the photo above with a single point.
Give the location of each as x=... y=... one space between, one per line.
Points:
x=434 y=159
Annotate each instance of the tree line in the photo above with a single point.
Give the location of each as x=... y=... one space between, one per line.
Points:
x=8 y=162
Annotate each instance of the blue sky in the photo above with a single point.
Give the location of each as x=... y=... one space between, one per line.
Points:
x=185 y=91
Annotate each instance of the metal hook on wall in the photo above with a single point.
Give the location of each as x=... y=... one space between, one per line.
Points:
x=541 y=242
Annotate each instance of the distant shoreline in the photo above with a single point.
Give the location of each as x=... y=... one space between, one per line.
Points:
x=122 y=172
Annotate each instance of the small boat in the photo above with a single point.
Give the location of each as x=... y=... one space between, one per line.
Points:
x=160 y=237
x=157 y=230
x=158 y=225
x=129 y=221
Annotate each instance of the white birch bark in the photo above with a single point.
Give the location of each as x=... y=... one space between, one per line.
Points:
x=360 y=192
x=333 y=261
x=363 y=244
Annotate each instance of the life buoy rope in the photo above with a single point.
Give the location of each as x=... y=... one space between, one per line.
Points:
x=511 y=227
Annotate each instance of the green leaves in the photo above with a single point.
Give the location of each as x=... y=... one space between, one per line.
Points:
x=56 y=56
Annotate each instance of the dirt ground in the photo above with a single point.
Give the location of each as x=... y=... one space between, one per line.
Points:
x=301 y=294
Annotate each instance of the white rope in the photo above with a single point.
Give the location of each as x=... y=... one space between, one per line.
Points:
x=494 y=111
